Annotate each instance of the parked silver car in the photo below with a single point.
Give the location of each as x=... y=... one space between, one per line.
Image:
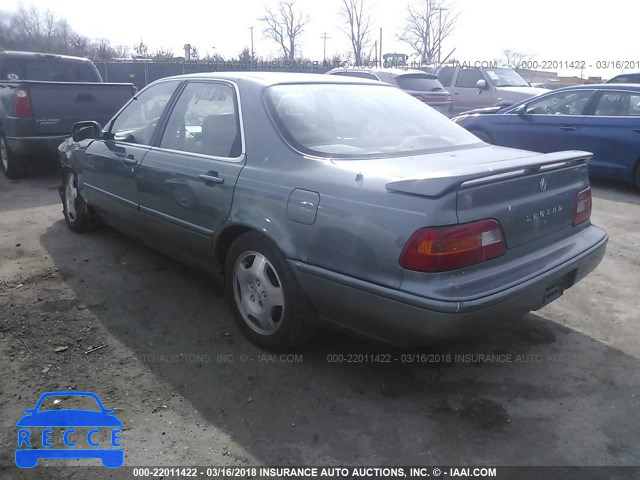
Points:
x=327 y=199
x=424 y=86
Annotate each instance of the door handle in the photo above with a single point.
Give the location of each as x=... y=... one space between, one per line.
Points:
x=637 y=130
x=128 y=159
x=568 y=128
x=211 y=177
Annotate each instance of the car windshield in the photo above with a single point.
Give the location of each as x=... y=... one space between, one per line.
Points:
x=69 y=402
x=360 y=121
x=505 y=77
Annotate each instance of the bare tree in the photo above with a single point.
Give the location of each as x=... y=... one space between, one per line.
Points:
x=516 y=60
x=162 y=55
x=357 y=26
x=284 y=26
x=141 y=49
x=429 y=23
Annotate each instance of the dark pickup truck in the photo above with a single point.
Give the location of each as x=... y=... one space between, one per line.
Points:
x=42 y=96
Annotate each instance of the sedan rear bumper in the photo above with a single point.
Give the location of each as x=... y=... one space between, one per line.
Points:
x=398 y=316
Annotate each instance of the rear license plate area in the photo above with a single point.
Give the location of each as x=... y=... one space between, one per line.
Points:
x=556 y=289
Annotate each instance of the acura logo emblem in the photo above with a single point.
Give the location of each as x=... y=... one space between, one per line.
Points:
x=543 y=184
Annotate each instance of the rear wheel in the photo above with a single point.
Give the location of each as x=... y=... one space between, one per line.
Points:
x=484 y=136
x=264 y=294
x=12 y=165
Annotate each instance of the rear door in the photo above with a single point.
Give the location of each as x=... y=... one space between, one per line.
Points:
x=111 y=166
x=187 y=181
x=612 y=132
x=550 y=123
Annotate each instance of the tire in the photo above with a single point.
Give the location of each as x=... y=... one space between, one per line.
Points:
x=75 y=209
x=637 y=176
x=267 y=302
x=13 y=166
x=484 y=136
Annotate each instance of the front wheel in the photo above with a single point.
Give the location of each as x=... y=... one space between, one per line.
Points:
x=74 y=207
x=264 y=294
x=12 y=165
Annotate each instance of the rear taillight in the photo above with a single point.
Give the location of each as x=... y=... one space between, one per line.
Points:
x=134 y=91
x=439 y=249
x=22 y=103
x=582 y=207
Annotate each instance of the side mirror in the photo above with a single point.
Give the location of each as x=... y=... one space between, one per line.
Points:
x=86 y=131
x=520 y=109
x=481 y=84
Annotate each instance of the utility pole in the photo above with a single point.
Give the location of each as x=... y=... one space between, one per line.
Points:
x=252 y=54
x=381 y=57
x=324 y=48
x=440 y=9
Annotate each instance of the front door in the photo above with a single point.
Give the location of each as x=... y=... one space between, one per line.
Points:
x=550 y=123
x=187 y=182
x=466 y=94
x=111 y=168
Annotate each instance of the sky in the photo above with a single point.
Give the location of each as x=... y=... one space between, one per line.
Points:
x=559 y=30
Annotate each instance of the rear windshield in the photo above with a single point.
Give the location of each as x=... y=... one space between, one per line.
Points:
x=630 y=78
x=360 y=121
x=49 y=71
x=420 y=82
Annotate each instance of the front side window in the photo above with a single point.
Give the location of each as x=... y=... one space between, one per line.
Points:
x=360 y=121
x=205 y=121
x=618 y=104
x=468 y=78
x=137 y=122
x=572 y=102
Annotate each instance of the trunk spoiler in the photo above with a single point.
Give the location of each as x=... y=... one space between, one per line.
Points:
x=441 y=182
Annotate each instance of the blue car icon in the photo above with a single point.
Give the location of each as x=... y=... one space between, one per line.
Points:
x=68 y=419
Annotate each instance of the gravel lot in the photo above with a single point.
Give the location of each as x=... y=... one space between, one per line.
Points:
x=570 y=394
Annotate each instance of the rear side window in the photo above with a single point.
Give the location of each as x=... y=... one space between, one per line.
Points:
x=205 y=121
x=420 y=82
x=618 y=104
x=11 y=70
x=60 y=71
x=445 y=75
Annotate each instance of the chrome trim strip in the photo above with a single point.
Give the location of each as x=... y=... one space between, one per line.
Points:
x=112 y=196
x=176 y=221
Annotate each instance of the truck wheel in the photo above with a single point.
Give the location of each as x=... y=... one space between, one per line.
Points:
x=267 y=302
x=73 y=205
x=12 y=165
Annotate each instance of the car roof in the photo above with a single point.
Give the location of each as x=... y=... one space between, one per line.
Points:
x=390 y=71
x=37 y=55
x=601 y=86
x=273 y=78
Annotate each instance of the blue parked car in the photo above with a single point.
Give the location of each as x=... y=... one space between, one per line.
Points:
x=36 y=432
x=602 y=119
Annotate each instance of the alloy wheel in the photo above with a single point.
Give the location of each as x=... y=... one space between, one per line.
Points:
x=70 y=196
x=258 y=293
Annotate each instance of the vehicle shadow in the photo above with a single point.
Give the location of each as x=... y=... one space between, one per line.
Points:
x=27 y=192
x=531 y=392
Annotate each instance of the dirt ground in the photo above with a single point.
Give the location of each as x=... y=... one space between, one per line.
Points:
x=191 y=390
